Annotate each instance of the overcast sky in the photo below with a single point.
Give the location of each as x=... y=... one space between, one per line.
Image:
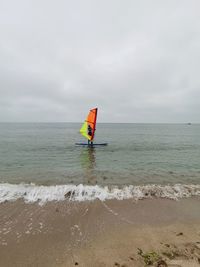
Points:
x=138 y=61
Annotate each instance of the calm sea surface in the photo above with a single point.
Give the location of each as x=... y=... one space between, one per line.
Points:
x=137 y=154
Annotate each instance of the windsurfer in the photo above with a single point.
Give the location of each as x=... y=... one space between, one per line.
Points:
x=90 y=134
x=89 y=126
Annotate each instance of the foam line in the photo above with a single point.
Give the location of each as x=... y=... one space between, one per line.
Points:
x=34 y=193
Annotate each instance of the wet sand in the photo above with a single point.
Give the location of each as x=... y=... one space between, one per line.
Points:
x=111 y=233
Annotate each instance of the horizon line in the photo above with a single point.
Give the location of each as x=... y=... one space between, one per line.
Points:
x=101 y=122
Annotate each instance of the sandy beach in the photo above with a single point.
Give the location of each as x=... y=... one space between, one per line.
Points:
x=123 y=233
x=99 y=133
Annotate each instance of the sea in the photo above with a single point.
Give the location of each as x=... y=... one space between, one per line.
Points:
x=40 y=162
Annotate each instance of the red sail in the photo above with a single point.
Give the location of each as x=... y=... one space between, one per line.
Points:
x=91 y=120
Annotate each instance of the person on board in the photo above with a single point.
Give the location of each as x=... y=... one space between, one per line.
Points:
x=90 y=134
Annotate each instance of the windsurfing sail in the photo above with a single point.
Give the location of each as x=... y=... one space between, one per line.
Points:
x=89 y=126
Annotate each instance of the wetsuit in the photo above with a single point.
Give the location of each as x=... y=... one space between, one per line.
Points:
x=90 y=134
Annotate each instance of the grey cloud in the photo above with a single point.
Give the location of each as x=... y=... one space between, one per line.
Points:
x=138 y=61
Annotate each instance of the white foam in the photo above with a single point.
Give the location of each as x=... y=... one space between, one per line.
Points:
x=34 y=193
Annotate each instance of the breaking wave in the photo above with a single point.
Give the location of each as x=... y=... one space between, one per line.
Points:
x=31 y=193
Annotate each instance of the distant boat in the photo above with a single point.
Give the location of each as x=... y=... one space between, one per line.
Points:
x=88 y=129
x=189 y=123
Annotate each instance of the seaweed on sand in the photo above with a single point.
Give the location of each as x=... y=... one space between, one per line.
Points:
x=151 y=258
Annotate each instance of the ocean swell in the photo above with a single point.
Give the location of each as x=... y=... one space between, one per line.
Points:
x=31 y=193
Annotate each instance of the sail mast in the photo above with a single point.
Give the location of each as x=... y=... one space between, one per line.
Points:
x=95 y=120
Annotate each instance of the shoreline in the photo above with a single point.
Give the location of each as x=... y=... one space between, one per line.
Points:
x=98 y=233
x=32 y=193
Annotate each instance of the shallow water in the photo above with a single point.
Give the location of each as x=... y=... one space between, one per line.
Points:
x=137 y=154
